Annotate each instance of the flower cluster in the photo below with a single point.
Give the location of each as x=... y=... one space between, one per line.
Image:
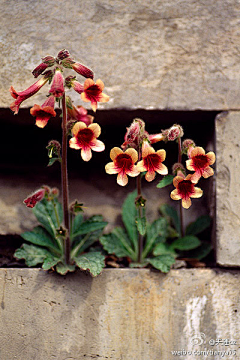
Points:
x=90 y=91
x=137 y=155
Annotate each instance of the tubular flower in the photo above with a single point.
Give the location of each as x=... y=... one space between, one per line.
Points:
x=185 y=189
x=34 y=198
x=200 y=163
x=156 y=137
x=71 y=81
x=23 y=95
x=57 y=87
x=79 y=113
x=79 y=68
x=46 y=62
x=85 y=138
x=93 y=93
x=135 y=134
x=123 y=164
x=152 y=162
x=45 y=112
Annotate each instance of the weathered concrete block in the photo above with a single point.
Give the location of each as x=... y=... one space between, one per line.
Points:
x=122 y=314
x=150 y=54
x=228 y=204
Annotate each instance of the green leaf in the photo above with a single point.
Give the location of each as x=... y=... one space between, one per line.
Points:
x=170 y=212
x=92 y=224
x=81 y=243
x=156 y=232
x=92 y=262
x=162 y=262
x=64 y=268
x=53 y=160
x=141 y=225
x=167 y=180
x=196 y=227
x=33 y=255
x=45 y=212
x=120 y=233
x=112 y=245
x=188 y=242
x=201 y=252
x=78 y=219
x=50 y=262
x=139 y=265
x=39 y=236
x=129 y=214
x=163 y=249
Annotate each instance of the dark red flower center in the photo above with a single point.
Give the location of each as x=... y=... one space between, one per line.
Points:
x=85 y=136
x=151 y=161
x=185 y=188
x=93 y=92
x=123 y=162
x=200 y=161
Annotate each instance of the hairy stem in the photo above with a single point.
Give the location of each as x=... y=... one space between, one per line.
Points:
x=64 y=174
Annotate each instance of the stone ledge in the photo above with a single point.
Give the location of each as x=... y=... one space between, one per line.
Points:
x=122 y=314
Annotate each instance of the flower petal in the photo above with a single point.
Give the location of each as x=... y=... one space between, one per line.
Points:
x=197 y=192
x=122 y=179
x=150 y=175
x=103 y=98
x=115 y=152
x=161 y=169
x=80 y=125
x=162 y=154
x=197 y=151
x=147 y=149
x=177 y=180
x=186 y=203
x=141 y=167
x=86 y=154
x=111 y=169
x=189 y=164
x=133 y=153
x=95 y=129
x=207 y=172
x=98 y=146
x=84 y=97
x=73 y=143
x=133 y=172
x=88 y=82
x=211 y=157
x=100 y=84
x=175 y=195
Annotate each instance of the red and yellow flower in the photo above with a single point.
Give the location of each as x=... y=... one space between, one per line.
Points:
x=25 y=94
x=152 y=162
x=45 y=112
x=185 y=190
x=93 y=92
x=200 y=163
x=123 y=164
x=85 y=139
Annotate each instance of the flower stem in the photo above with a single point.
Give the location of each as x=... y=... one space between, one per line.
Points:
x=180 y=205
x=139 y=209
x=64 y=175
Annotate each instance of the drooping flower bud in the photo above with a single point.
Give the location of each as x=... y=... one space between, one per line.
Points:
x=54 y=148
x=71 y=82
x=187 y=146
x=178 y=167
x=34 y=198
x=135 y=134
x=173 y=133
x=79 y=68
x=78 y=113
x=47 y=61
x=57 y=87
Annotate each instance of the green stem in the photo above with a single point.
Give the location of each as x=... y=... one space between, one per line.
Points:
x=64 y=174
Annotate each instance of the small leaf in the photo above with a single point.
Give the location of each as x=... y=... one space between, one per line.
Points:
x=170 y=212
x=162 y=262
x=196 y=227
x=188 y=242
x=112 y=245
x=39 y=236
x=129 y=214
x=163 y=249
x=33 y=255
x=53 y=160
x=63 y=269
x=167 y=180
x=141 y=225
x=92 y=261
x=50 y=262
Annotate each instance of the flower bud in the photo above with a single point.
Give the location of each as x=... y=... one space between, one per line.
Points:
x=178 y=167
x=54 y=148
x=47 y=61
x=187 y=146
x=173 y=133
x=63 y=54
x=34 y=198
x=57 y=87
x=135 y=134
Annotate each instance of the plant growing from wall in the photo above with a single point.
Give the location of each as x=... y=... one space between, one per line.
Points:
x=63 y=239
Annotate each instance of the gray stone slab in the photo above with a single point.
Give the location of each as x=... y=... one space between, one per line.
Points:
x=150 y=54
x=228 y=204
x=122 y=314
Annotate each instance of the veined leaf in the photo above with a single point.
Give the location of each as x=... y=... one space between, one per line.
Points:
x=78 y=219
x=81 y=243
x=39 y=236
x=50 y=262
x=92 y=262
x=188 y=242
x=62 y=268
x=112 y=245
x=129 y=214
x=33 y=255
x=167 y=180
x=141 y=225
x=196 y=227
x=157 y=231
x=163 y=249
x=92 y=224
x=162 y=262
x=170 y=212
x=123 y=238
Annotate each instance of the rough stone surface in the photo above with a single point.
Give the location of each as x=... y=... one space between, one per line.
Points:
x=122 y=314
x=228 y=206
x=150 y=54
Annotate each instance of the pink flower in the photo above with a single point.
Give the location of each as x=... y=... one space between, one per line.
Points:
x=57 y=87
x=200 y=163
x=23 y=95
x=85 y=138
x=71 y=81
x=93 y=93
x=123 y=164
x=34 y=198
x=45 y=112
x=135 y=134
x=155 y=138
x=152 y=162
x=185 y=189
x=78 y=113
x=79 y=68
